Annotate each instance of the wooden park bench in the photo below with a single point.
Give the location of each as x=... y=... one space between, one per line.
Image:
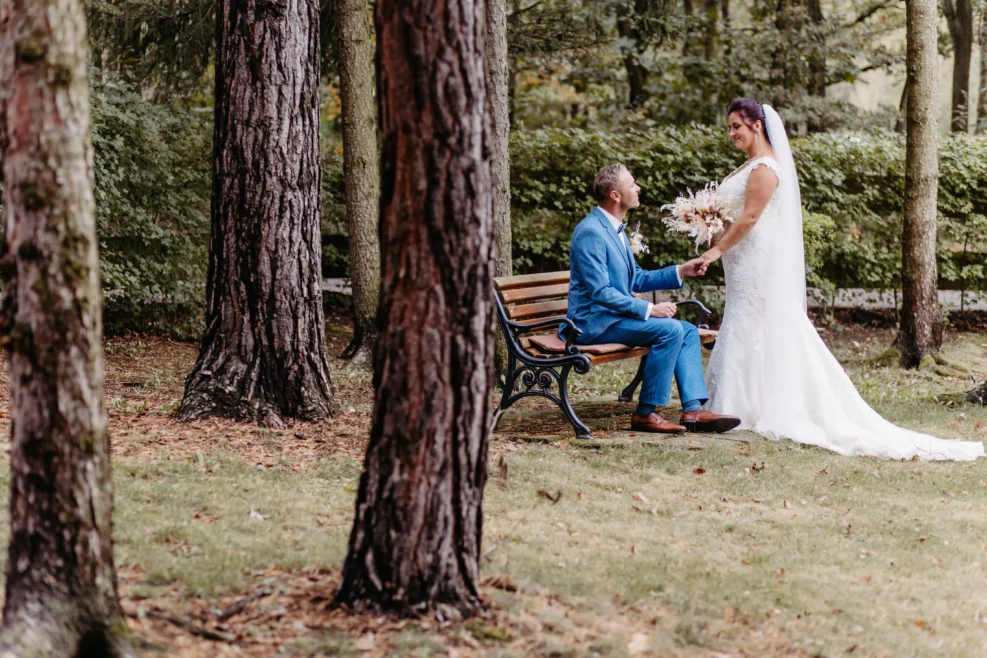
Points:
x=530 y=309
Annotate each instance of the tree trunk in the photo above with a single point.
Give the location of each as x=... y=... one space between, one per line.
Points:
x=982 y=94
x=959 y=18
x=901 y=126
x=688 y=11
x=263 y=350
x=362 y=165
x=922 y=320
x=61 y=589
x=415 y=544
x=711 y=18
x=496 y=46
x=817 y=50
x=637 y=73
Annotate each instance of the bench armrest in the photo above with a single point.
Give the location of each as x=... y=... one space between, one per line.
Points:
x=571 y=330
x=702 y=313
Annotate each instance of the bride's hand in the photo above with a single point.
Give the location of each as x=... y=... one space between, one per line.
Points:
x=712 y=255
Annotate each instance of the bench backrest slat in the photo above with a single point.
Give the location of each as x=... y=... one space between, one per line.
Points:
x=522 y=311
x=536 y=293
x=531 y=280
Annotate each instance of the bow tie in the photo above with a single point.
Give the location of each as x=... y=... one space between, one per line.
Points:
x=620 y=229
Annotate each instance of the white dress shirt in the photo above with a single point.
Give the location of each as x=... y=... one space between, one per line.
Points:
x=616 y=225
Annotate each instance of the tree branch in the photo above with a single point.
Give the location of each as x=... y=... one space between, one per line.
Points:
x=873 y=9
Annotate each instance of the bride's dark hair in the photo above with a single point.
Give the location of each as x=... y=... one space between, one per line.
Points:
x=750 y=112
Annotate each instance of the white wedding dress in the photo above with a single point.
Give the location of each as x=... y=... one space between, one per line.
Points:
x=769 y=365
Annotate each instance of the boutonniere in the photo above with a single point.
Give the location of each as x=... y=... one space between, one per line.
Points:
x=638 y=245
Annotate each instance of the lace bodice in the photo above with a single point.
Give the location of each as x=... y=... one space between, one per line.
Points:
x=733 y=190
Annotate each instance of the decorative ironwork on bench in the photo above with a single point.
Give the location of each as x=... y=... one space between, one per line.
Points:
x=539 y=375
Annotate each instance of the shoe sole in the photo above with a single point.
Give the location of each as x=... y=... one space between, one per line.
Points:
x=718 y=426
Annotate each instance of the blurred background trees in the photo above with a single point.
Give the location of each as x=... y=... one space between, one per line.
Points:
x=588 y=82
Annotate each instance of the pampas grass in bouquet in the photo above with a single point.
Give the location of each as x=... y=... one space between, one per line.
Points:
x=698 y=215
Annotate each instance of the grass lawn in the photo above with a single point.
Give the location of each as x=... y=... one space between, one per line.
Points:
x=229 y=538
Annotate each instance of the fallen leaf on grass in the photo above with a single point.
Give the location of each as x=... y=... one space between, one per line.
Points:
x=501 y=582
x=922 y=538
x=365 y=643
x=638 y=645
x=786 y=504
x=755 y=468
x=633 y=549
x=555 y=499
x=257 y=516
x=920 y=623
x=699 y=470
x=639 y=497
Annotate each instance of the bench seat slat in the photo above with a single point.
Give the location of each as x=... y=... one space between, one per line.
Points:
x=532 y=294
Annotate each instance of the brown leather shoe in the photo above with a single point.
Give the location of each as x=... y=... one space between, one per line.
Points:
x=654 y=423
x=707 y=421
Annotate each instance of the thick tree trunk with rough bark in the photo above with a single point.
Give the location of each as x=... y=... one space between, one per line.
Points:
x=982 y=94
x=497 y=72
x=263 y=350
x=922 y=319
x=362 y=169
x=415 y=544
x=61 y=591
x=959 y=18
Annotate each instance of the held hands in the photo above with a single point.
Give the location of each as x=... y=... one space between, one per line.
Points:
x=694 y=267
x=664 y=310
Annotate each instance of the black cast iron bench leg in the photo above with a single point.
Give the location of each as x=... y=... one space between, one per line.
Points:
x=537 y=383
x=627 y=395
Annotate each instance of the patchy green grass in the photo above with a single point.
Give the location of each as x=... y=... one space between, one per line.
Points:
x=690 y=546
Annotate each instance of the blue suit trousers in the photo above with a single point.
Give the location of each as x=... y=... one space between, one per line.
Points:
x=673 y=349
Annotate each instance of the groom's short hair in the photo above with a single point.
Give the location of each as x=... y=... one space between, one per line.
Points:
x=607 y=180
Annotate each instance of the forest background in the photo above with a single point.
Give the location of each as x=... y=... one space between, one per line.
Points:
x=590 y=82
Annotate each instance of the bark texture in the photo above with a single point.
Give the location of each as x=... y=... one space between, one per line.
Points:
x=497 y=74
x=263 y=350
x=922 y=319
x=959 y=18
x=982 y=95
x=61 y=593
x=362 y=170
x=415 y=543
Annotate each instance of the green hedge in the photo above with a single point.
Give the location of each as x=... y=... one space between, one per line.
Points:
x=152 y=170
x=153 y=186
x=852 y=190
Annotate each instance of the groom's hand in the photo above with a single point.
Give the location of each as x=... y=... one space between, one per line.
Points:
x=695 y=267
x=664 y=310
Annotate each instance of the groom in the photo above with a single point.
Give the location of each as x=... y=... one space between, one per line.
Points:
x=603 y=274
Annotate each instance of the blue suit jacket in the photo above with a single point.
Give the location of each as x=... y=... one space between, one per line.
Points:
x=603 y=274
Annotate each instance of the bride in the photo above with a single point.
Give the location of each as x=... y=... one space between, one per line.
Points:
x=769 y=366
